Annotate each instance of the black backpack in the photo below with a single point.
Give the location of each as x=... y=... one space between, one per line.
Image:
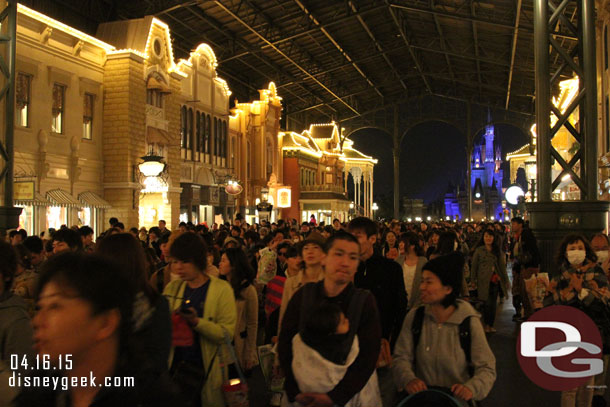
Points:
x=465 y=339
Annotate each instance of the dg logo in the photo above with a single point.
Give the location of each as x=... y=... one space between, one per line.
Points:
x=559 y=348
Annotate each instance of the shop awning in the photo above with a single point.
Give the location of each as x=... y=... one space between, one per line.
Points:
x=39 y=200
x=93 y=200
x=59 y=197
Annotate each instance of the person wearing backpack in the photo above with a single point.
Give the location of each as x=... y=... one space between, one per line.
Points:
x=442 y=343
x=359 y=306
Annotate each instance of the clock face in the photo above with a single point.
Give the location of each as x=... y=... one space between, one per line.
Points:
x=513 y=193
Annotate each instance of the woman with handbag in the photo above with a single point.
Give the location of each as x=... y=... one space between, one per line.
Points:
x=235 y=267
x=488 y=274
x=203 y=309
x=583 y=284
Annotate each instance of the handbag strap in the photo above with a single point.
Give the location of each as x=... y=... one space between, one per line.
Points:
x=207 y=373
x=227 y=339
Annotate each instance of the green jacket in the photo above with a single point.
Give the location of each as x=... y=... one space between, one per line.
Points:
x=483 y=265
x=219 y=315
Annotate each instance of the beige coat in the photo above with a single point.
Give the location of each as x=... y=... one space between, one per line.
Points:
x=246 y=327
x=414 y=291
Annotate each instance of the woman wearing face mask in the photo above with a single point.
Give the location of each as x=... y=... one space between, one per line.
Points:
x=581 y=284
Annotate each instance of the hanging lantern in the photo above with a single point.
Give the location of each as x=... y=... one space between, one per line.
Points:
x=152 y=165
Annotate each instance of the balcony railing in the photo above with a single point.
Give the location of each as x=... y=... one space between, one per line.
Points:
x=337 y=189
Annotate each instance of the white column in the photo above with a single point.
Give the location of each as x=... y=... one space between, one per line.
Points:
x=371 y=192
x=366 y=194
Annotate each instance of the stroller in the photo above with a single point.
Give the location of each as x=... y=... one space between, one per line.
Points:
x=432 y=397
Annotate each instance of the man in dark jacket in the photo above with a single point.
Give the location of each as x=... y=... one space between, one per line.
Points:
x=340 y=265
x=383 y=277
x=526 y=257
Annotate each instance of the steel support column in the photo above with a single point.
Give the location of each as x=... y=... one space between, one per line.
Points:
x=551 y=221
x=543 y=99
x=9 y=215
x=590 y=79
x=396 y=154
x=469 y=148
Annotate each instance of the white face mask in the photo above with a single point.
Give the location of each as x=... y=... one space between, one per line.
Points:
x=602 y=256
x=576 y=257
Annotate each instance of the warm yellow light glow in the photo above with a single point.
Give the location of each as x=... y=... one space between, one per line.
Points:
x=63 y=27
x=224 y=85
x=127 y=50
x=284 y=198
x=207 y=51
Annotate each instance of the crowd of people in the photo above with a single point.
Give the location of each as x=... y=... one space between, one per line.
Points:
x=360 y=313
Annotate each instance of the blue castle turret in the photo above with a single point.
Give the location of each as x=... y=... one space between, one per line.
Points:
x=485 y=181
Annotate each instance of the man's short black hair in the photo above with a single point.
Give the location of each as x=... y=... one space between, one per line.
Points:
x=13 y=233
x=85 y=231
x=182 y=224
x=70 y=237
x=348 y=237
x=33 y=244
x=517 y=219
x=120 y=226
x=155 y=230
x=364 y=224
x=291 y=251
x=282 y=246
x=113 y=221
x=162 y=220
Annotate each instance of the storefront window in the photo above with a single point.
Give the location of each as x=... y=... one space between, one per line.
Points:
x=184 y=217
x=84 y=217
x=56 y=216
x=26 y=219
x=194 y=215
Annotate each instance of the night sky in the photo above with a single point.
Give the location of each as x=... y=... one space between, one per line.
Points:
x=433 y=154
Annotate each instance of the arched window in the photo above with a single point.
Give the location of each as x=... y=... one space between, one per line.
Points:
x=208 y=133
x=183 y=127
x=201 y=132
x=226 y=140
x=223 y=139
x=216 y=137
x=198 y=134
x=189 y=139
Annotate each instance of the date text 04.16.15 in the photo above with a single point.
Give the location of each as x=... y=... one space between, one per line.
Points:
x=40 y=362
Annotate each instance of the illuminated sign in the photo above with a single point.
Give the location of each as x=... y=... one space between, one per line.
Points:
x=23 y=190
x=283 y=198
